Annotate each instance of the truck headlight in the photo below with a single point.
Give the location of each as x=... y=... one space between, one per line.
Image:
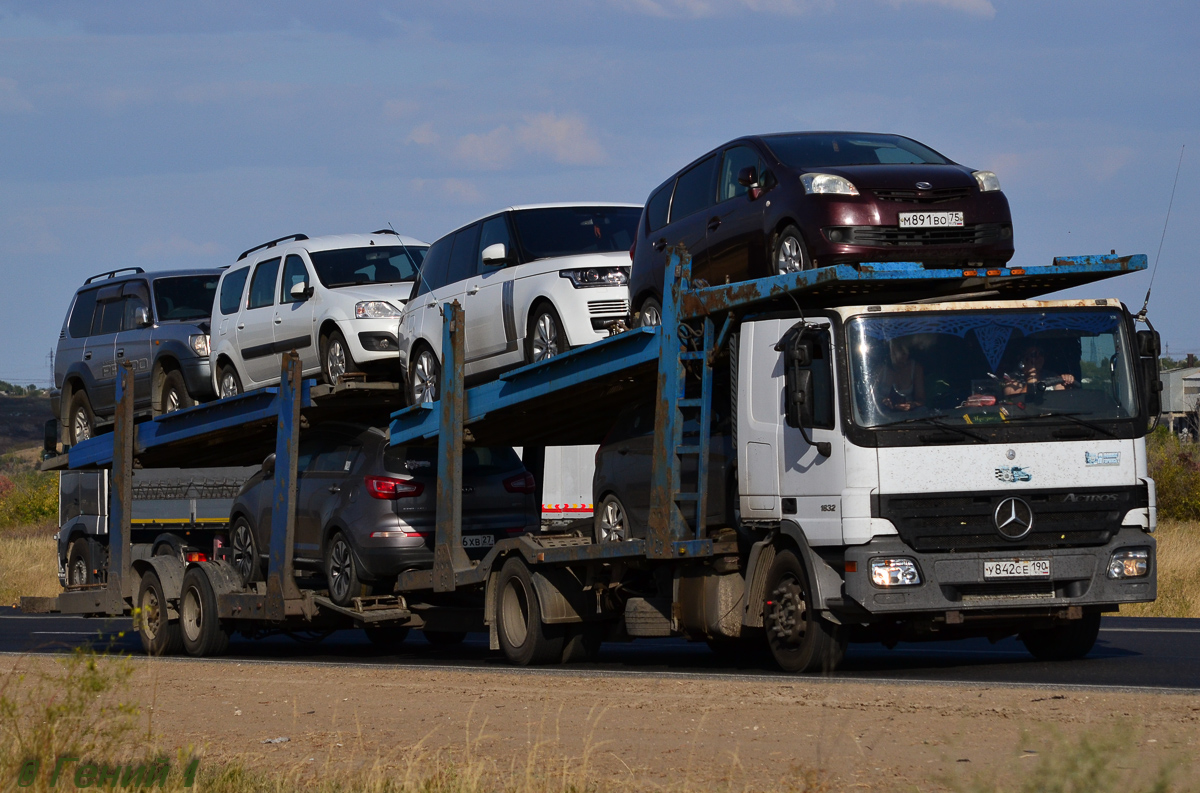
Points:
x=1129 y=563
x=199 y=344
x=596 y=276
x=987 y=181
x=827 y=183
x=375 y=309
x=894 y=572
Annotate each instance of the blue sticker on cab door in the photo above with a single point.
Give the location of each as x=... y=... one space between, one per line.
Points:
x=1102 y=458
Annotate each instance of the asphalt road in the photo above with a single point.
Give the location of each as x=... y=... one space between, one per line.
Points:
x=1131 y=653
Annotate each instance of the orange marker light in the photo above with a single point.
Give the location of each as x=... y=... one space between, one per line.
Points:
x=851 y=567
x=969 y=272
x=1017 y=271
x=993 y=272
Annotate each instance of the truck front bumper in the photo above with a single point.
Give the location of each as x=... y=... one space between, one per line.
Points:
x=955 y=581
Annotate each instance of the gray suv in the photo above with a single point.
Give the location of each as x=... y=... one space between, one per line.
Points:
x=157 y=321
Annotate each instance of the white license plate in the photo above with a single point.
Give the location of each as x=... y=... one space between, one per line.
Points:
x=930 y=220
x=479 y=541
x=1017 y=568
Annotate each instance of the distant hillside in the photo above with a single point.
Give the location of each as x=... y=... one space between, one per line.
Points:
x=22 y=420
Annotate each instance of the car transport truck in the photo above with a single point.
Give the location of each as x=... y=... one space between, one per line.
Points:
x=921 y=453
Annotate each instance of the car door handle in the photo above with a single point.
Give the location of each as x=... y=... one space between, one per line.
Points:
x=714 y=223
x=623 y=450
x=241 y=326
x=473 y=290
x=278 y=320
x=87 y=356
x=121 y=353
x=334 y=489
x=660 y=244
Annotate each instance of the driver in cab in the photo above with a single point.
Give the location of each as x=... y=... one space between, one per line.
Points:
x=1033 y=361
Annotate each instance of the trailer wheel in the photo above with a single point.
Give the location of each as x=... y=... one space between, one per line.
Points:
x=202 y=632
x=79 y=564
x=159 y=635
x=524 y=638
x=799 y=638
x=245 y=552
x=1068 y=642
x=445 y=638
x=341 y=573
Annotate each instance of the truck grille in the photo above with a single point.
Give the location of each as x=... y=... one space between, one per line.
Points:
x=620 y=307
x=887 y=236
x=964 y=522
x=939 y=196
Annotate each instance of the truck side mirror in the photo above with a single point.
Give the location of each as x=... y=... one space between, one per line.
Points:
x=800 y=399
x=1148 y=344
x=799 y=389
x=1149 y=347
x=495 y=255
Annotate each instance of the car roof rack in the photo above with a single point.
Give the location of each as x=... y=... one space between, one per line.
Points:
x=272 y=244
x=387 y=231
x=114 y=274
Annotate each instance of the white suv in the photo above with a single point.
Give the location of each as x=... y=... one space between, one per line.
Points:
x=534 y=281
x=335 y=300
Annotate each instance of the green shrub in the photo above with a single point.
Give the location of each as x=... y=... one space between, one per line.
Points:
x=1175 y=469
x=31 y=500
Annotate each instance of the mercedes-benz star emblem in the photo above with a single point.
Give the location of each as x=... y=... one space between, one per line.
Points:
x=924 y=186
x=1013 y=518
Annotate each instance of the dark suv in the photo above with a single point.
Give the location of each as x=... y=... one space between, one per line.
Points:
x=770 y=204
x=158 y=321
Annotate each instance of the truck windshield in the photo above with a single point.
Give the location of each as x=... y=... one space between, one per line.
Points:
x=185 y=298
x=379 y=264
x=990 y=367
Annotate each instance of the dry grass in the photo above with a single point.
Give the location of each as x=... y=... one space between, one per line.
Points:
x=27 y=564
x=1178 y=573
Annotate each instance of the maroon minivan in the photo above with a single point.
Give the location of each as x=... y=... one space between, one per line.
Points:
x=769 y=204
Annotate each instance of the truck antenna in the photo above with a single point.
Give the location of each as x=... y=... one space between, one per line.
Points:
x=1141 y=315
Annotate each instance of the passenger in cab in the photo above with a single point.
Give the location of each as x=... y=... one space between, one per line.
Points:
x=902 y=386
x=1033 y=361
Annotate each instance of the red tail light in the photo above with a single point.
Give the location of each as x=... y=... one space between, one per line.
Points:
x=197 y=556
x=389 y=489
x=521 y=483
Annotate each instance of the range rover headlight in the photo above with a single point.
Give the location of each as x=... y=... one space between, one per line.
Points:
x=596 y=276
x=827 y=183
x=988 y=183
x=199 y=344
x=375 y=309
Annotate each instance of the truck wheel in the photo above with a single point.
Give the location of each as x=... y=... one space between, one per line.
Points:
x=202 y=632
x=444 y=638
x=424 y=377
x=800 y=640
x=79 y=564
x=387 y=637
x=245 y=552
x=650 y=314
x=1068 y=642
x=159 y=635
x=228 y=382
x=611 y=521
x=341 y=572
x=174 y=394
x=524 y=638
x=789 y=253
x=81 y=422
x=335 y=358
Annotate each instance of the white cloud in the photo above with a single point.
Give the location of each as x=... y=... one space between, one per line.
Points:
x=424 y=135
x=563 y=139
x=492 y=150
x=979 y=8
x=708 y=8
x=460 y=190
x=177 y=246
x=11 y=98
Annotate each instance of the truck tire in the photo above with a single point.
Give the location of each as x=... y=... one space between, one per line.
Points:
x=81 y=421
x=244 y=552
x=444 y=638
x=1068 y=642
x=341 y=572
x=79 y=563
x=175 y=395
x=799 y=639
x=524 y=638
x=160 y=636
x=202 y=632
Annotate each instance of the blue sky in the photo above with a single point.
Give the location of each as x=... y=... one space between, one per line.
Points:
x=164 y=134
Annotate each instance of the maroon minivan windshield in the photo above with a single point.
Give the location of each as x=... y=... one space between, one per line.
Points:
x=831 y=149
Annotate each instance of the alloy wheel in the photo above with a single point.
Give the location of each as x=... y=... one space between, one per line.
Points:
x=243 y=551
x=335 y=359
x=545 y=338
x=81 y=425
x=613 y=526
x=171 y=403
x=425 y=378
x=339 y=570
x=790 y=258
x=650 y=317
x=229 y=385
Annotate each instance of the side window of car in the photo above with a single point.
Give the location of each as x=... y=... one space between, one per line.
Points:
x=262 y=285
x=463 y=256
x=80 y=324
x=433 y=270
x=294 y=272
x=231 y=290
x=335 y=458
x=735 y=160
x=110 y=311
x=657 y=207
x=694 y=191
x=492 y=231
x=137 y=295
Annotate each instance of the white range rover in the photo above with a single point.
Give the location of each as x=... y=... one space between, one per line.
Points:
x=334 y=299
x=533 y=281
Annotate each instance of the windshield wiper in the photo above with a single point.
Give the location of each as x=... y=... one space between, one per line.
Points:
x=934 y=421
x=1074 y=417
